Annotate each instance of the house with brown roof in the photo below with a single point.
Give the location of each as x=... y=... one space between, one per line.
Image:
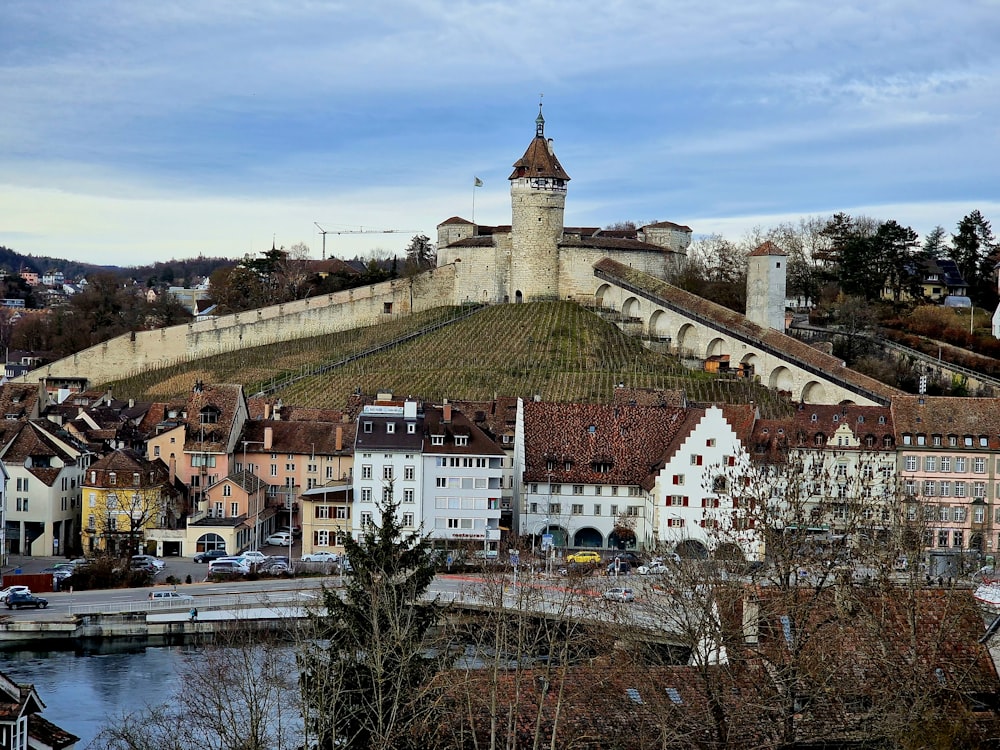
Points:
x=131 y=506
x=949 y=465
x=588 y=471
x=22 y=726
x=236 y=512
x=46 y=469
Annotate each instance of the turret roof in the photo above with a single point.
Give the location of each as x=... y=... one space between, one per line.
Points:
x=539 y=160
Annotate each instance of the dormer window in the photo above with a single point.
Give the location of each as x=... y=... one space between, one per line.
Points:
x=461 y=440
x=437 y=439
x=568 y=466
x=881 y=419
x=411 y=429
x=921 y=439
x=112 y=478
x=368 y=427
x=135 y=479
x=814 y=418
x=390 y=428
x=601 y=467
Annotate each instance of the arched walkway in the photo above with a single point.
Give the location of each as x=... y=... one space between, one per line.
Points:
x=781 y=379
x=630 y=308
x=659 y=324
x=750 y=363
x=687 y=338
x=601 y=293
x=715 y=346
x=621 y=542
x=813 y=393
x=588 y=538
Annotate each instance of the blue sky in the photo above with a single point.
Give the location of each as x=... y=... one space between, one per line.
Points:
x=132 y=132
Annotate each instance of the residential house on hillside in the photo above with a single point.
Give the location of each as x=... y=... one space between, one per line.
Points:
x=46 y=469
x=236 y=517
x=22 y=726
x=697 y=480
x=131 y=506
x=587 y=467
x=295 y=456
x=326 y=516
x=198 y=437
x=462 y=476
x=949 y=464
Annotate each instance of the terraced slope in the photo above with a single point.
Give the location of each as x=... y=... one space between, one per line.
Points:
x=557 y=350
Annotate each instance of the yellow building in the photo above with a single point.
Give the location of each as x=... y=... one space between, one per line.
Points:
x=125 y=496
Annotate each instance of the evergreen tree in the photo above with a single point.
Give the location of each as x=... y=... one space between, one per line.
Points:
x=974 y=250
x=420 y=253
x=367 y=675
x=934 y=244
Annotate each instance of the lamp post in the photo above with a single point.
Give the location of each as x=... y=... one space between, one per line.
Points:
x=254 y=541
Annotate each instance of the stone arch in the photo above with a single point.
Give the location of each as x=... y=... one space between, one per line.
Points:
x=847 y=402
x=750 y=364
x=659 y=323
x=729 y=552
x=210 y=541
x=687 y=337
x=715 y=346
x=559 y=535
x=630 y=308
x=486 y=295
x=601 y=293
x=813 y=393
x=780 y=379
x=692 y=549
x=518 y=297
x=588 y=538
x=622 y=542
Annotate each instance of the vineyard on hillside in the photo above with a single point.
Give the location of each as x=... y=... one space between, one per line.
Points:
x=556 y=350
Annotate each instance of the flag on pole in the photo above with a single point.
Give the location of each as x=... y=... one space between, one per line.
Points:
x=478 y=183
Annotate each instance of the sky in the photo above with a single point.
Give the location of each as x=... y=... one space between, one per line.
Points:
x=134 y=132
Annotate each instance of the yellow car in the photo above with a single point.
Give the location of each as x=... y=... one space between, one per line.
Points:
x=583 y=557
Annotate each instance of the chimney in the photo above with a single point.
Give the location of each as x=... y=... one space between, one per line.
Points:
x=339 y=445
x=447 y=414
x=267 y=410
x=268 y=438
x=173 y=469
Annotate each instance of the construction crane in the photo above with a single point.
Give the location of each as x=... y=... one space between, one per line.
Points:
x=359 y=230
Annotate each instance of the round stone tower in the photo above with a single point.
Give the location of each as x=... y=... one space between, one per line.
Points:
x=537 y=198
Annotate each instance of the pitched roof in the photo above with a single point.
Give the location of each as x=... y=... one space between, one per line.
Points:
x=767 y=248
x=478 y=442
x=602 y=444
x=947 y=415
x=539 y=160
x=301 y=437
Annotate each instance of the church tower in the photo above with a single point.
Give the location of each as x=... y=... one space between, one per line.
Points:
x=538 y=198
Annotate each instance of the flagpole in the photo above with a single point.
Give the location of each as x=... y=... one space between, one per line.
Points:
x=476 y=182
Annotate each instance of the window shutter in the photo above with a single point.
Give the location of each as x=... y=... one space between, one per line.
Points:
x=699 y=460
x=685 y=501
x=731 y=460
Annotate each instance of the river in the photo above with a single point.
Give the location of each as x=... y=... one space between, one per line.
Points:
x=81 y=691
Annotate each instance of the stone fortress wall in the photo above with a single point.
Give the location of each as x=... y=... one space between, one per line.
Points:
x=341 y=311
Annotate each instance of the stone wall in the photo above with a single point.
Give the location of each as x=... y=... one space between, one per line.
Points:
x=536 y=228
x=341 y=311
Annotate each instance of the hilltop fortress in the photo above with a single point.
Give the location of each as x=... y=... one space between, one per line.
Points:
x=619 y=272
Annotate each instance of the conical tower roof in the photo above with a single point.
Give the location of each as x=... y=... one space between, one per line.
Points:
x=539 y=160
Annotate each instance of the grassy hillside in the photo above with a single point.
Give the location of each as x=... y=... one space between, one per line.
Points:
x=557 y=350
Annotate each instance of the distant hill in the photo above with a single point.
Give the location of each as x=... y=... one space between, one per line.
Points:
x=556 y=350
x=171 y=272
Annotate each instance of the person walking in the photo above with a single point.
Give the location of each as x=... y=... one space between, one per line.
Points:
x=193 y=615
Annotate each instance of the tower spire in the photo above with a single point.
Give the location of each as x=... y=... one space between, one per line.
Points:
x=540 y=121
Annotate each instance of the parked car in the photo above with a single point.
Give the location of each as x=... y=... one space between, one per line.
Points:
x=275 y=567
x=323 y=557
x=628 y=556
x=169 y=596
x=141 y=566
x=4 y=593
x=620 y=595
x=584 y=556
x=619 y=568
x=252 y=557
x=26 y=600
x=279 y=539
x=59 y=574
x=209 y=555
x=154 y=561
x=228 y=567
x=653 y=568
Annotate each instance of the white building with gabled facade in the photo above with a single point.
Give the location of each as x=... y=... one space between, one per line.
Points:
x=698 y=478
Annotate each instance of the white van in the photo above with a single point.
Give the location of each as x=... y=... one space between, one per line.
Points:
x=169 y=596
